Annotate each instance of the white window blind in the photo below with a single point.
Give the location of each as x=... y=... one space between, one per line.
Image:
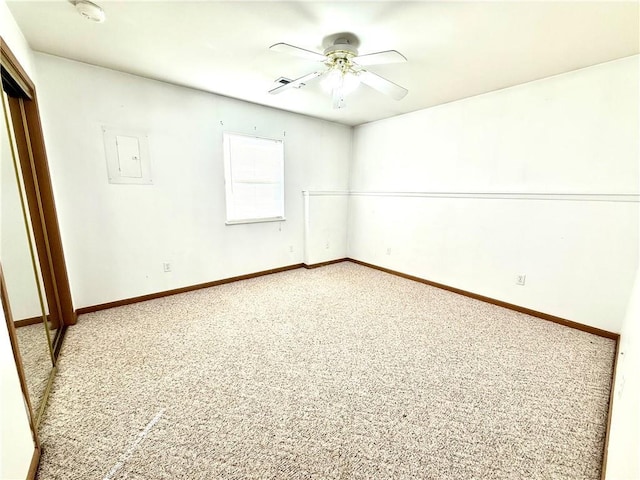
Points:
x=254 y=178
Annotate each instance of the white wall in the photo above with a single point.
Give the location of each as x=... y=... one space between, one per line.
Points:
x=623 y=462
x=326 y=218
x=12 y=35
x=16 y=442
x=575 y=133
x=116 y=237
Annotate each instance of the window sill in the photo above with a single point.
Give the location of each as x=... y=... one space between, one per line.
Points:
x=255 y=220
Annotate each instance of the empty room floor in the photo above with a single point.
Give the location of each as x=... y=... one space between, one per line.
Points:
x=340 y=372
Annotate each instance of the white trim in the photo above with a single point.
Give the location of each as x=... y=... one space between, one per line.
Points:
x=255 y=220
x=577 y=197
x=326 y=193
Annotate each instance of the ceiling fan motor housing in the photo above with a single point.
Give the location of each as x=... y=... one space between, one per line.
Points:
x=341 y=48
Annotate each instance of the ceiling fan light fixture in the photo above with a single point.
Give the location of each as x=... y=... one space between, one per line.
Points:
x=350 y=82
x=89 y=10
x=345 y=82
x=331 y=81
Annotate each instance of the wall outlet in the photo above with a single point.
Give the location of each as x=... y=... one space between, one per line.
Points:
x=327 y=245
x=389 y=251
x=291 y=248
x=521 y=279
x=166 y=267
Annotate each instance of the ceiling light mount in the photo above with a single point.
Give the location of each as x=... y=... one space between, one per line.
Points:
x=342 y=48
x=89 y=10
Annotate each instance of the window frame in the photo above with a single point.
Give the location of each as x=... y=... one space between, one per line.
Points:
x=227 y=138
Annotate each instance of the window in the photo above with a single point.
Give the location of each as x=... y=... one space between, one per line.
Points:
x=254 y=178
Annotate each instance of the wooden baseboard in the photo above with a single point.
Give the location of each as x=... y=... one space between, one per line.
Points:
x=500 y=303
x=33 y=466
x=322 y=264
x=493 y=301
x=166 y=293
x=28 y=321
x=25 y=322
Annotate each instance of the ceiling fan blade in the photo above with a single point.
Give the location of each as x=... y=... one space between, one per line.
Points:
x=382 y=85
x=298 y=82
x=298 y=52
x=388 y=56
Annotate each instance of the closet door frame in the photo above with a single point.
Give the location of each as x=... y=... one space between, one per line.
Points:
x=25 y=117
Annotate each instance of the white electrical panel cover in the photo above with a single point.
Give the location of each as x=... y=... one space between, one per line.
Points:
x=127 y=156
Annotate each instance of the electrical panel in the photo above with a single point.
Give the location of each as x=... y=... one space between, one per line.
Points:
x=127 y=155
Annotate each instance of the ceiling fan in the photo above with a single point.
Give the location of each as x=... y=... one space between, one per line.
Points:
x=342 y=70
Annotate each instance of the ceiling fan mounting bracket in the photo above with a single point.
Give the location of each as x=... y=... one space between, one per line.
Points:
x=341 y=48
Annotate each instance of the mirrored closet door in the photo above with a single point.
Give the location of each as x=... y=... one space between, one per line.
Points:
x=36 y=290
x=20 y=264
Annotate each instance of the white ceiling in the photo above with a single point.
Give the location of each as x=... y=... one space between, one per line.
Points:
x=454 y=49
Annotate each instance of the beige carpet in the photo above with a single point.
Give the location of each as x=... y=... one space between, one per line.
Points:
x=36 y=361
x=341 y=372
